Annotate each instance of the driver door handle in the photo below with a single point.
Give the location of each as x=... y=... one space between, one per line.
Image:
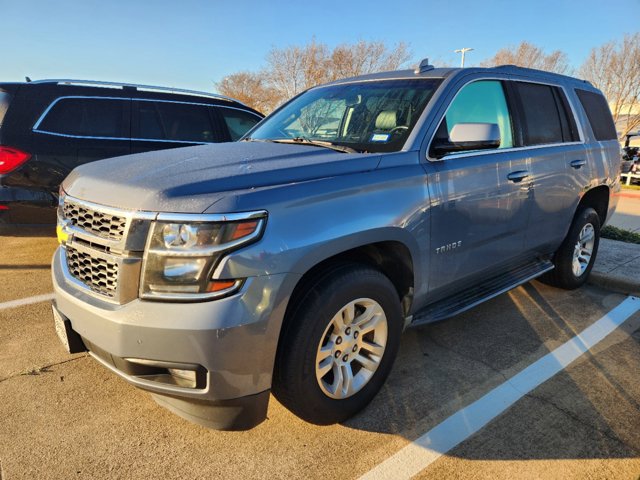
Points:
x=517 y=177
x=578 y=163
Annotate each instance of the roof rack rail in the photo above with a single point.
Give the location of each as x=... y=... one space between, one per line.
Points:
x=141 y=88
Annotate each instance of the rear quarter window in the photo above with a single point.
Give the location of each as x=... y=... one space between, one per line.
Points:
x=5 y=100
x=238 y=122
x=599 y=115
x=87 y=117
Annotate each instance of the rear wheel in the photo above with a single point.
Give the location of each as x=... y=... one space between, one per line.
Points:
x=342 y=338
x=576 y=256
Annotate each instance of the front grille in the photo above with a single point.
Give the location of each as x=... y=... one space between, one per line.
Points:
x=99 y=274
x=102 y=224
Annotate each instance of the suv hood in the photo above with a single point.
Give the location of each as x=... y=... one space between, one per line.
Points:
x=189 y=180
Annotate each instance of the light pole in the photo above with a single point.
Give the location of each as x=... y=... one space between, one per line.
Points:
x=462 y=51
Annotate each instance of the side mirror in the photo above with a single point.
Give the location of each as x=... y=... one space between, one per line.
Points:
x=468 y=136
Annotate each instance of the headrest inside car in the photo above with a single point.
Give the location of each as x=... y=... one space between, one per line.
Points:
x=386 y=120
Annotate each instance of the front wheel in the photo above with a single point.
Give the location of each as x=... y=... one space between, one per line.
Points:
x=576 y=256
x=341 y=339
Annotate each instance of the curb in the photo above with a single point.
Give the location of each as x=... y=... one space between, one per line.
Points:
x=614 y=283
x=629 y=193
x=616 y=267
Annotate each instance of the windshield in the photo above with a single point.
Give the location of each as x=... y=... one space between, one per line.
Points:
x=367 y=116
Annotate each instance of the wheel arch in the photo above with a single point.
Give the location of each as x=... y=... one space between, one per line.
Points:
x=393 y=255
x=597 y=198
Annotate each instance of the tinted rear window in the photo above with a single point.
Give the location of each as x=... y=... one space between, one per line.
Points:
x=238 y=122
x=184 y=122
x=542 y=121
x=599 y=115
x=88 y=117
x=5 y=100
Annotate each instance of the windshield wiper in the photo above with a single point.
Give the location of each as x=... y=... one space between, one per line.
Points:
x=315 y=143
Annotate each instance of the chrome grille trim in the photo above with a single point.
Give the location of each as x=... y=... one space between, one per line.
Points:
x=108 y=277
x=96 y=272
x=100 y=223
x=104 y=248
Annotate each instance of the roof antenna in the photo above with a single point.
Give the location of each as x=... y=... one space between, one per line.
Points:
x=27 y=79
x=424 y=66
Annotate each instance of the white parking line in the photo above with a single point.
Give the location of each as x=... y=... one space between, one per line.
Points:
x=26 y=301
x=420 y=453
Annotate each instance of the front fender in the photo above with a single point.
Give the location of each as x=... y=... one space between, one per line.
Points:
x=310 y=223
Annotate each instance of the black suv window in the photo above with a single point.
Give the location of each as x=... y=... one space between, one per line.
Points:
x=183 y=122
x=5 y=99
x=546 y=116
x=238 y=122
x=599 y=115
x=88 y=117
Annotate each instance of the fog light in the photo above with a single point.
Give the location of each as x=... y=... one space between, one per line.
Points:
x=184 y=378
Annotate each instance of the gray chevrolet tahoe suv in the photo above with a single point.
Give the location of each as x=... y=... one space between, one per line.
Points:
x=290 y=262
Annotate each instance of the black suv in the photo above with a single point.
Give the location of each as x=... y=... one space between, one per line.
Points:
x=49 y=127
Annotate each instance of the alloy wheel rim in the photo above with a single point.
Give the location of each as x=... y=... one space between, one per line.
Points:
x=583 y=250
x=351 y=348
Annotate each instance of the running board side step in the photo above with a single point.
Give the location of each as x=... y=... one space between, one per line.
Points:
x=460 y=302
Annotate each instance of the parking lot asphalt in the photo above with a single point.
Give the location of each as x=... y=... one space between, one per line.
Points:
x=65 y=416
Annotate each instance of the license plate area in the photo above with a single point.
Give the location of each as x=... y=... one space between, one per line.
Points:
x=70 y=340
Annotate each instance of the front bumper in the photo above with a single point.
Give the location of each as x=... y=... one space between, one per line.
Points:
x=232 y=341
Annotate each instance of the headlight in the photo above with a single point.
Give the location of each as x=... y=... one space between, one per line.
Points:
x=181 y=255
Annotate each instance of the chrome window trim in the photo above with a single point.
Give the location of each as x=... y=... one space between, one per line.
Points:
x=83 y=97
x=239 y=109
x=45 y=132
x=501 y=150
x=36 y=126
x=579 y=126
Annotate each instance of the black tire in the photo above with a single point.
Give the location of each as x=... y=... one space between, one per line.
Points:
x=295 y=384
x=563 y=275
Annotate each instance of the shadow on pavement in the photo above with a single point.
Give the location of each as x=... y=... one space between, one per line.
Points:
x=25 y=267
x=589 y=410
x=27 y=231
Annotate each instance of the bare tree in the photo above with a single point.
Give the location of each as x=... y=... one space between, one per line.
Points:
x=294 y=69
x=529 y=56
x=614 y=68
x=366 y=57
x=250 y=88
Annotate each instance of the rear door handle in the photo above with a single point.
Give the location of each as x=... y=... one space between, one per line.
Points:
x=578 y=163
x=517 y=177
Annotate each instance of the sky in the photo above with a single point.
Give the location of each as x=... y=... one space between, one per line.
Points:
x=192 y=44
